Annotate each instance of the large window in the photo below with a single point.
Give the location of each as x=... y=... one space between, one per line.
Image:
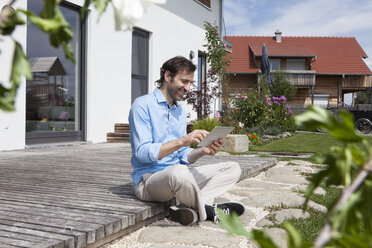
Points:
x=295 y=64
x=140 y=63
x=54 y=99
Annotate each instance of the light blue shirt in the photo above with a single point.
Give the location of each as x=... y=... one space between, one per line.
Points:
x=153 y=123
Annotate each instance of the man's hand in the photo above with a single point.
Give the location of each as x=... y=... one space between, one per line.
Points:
x=200 y=152
x=213 y=148
x=195 y=136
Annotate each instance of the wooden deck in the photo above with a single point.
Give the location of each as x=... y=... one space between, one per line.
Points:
x=76 y=196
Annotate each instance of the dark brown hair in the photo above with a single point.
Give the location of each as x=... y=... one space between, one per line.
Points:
x=175 y=65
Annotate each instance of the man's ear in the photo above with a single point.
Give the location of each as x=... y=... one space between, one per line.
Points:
x=167 y=76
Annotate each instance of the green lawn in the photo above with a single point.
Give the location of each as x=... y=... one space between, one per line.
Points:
x=301 y=143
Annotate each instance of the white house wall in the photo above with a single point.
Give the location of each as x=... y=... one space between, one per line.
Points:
x=108 y=75
x=175 y=28
x=13 y=124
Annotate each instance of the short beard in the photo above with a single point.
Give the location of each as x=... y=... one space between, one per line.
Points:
x=173 y=93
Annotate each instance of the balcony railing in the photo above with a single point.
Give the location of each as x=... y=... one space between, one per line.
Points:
x=298 y=77
x=357 y=82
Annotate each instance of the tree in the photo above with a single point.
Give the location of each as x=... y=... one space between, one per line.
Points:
x=218 y=60
x=281 y=86
x=363 y=97
x=52 y=21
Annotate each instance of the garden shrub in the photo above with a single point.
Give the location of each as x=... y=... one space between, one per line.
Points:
x=273 y=130
x=262 y=116
x=282 y=86
x=228 y=120
x=277 y=113
x=259 y=129
x=248 y=109
x=206 y=124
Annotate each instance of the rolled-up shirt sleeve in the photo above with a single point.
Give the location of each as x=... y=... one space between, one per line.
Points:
x=182 y=155
x=143 y=147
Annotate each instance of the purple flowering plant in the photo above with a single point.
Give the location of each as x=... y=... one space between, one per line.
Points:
x=278 y=113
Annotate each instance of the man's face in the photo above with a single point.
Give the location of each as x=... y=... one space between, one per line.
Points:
x=179 y=85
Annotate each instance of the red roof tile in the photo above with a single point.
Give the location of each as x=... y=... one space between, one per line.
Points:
x=278 y=50
x=335 y=55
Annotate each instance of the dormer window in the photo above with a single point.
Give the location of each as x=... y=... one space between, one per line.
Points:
x=295 y=64
x=274 y=64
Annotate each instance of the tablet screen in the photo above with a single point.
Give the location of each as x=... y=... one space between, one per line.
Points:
x=215 y=134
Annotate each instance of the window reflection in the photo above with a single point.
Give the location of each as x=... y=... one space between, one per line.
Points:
x=52 y=96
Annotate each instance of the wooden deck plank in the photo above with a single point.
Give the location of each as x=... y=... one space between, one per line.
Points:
x=66 y=241
x=128 y=211
x=6 y=242
x=119 y=221
x=79 y=237
x=8 y=246
x=109 y=223
x=21 y=238
x=93 y=231
x=66 y=201
x=74 y=196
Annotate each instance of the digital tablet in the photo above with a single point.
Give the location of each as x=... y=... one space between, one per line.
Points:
x=215 y=134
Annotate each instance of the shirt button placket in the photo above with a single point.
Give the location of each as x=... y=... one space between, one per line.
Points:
x=168 y=110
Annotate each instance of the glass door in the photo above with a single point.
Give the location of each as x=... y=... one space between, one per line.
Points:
x=54 y=98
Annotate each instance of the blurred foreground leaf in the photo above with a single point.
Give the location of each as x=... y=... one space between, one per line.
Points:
x=21 y=67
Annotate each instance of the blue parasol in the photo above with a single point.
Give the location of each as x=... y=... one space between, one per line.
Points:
x=265 y=65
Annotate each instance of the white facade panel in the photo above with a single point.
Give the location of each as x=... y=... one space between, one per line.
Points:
x=108 y=75
x=13 y=124
x=175 y=28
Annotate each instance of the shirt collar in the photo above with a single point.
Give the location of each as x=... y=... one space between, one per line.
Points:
x=160 y=98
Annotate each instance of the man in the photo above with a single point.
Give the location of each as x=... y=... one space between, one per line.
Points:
x=161 y=152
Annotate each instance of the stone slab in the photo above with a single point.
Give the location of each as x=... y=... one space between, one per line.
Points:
x=286 y=214
x=235 y=143
x=188 y=235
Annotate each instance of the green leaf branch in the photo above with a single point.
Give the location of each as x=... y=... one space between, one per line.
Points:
x=349 y=165
x=51 y=21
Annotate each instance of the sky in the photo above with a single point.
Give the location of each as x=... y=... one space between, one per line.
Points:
x=336 y=18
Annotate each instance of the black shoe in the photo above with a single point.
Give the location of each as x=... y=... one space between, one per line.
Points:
x=231 y=207
x=226 y=208
x=184 y=216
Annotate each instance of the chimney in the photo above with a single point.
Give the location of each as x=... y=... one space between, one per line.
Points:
x=278 y=36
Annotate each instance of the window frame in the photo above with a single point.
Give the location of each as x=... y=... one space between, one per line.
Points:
x=145 y=35
x=202 y=79
x=271 y=64
x=81 y=134
x=296 y=60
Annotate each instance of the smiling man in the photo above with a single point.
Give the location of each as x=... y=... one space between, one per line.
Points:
x=161 y=154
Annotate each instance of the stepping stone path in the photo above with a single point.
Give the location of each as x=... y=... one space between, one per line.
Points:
x=279 y=186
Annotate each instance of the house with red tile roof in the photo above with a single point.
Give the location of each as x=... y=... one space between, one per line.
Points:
x=322 y=68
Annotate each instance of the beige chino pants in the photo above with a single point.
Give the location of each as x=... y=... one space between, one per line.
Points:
x=192 y=186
